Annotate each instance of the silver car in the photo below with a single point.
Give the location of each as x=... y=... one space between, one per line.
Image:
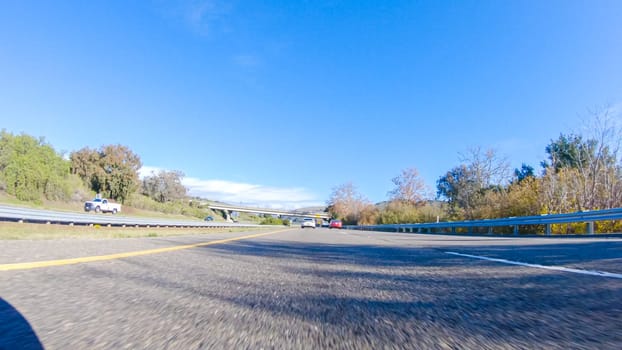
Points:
x=307 y=222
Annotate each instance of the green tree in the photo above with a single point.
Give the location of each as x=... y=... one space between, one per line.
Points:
x=85 y=163
x=112 y=170
x=568 y=151
x=31 y=169
x=461 y=190
x=465 y=186
x=121 y=167
x=585 y=169
x=524 y=172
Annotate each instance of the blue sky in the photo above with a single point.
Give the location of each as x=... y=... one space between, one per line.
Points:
x=275 y=103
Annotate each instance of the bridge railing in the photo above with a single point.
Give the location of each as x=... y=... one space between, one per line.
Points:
x=546 y=220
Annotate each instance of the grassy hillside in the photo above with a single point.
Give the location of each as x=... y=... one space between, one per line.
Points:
x=78 y=207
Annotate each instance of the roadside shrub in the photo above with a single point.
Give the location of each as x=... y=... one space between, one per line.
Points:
x=608 y=226
x=271 y=221
x=140 y=201
x=31 y=169
x=196 y=212
x=398 y=212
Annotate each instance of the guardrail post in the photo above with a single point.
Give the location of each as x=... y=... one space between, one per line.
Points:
x=515 y=230
x=548 y=230
x=453 y=229
x=590 y=227
x=489 y=230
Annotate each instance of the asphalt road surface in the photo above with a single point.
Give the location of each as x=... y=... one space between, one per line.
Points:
x=312 y=289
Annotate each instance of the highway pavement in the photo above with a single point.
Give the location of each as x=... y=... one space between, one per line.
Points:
x=311 y=289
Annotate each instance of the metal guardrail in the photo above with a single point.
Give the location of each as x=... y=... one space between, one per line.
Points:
x=17 y=214
x=587 y=217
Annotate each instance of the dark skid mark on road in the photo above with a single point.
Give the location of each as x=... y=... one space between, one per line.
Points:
x=15 y=331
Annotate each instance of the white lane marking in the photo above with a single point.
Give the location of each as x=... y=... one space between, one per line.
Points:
x=556 y=268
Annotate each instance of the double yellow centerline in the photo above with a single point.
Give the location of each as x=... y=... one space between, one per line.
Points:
x=86 y=259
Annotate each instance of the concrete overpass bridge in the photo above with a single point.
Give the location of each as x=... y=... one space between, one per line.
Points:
x=229 y=208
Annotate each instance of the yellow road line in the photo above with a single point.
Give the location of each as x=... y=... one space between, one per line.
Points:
x=49 y=263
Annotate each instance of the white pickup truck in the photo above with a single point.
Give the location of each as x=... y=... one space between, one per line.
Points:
x=102 y=205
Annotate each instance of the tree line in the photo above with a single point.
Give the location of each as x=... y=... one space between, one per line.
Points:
x=582 y=171
x=31 y=170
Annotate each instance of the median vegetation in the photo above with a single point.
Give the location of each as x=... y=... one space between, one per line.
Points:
x=269 y=220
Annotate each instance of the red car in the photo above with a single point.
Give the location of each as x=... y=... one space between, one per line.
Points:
x=335 y=224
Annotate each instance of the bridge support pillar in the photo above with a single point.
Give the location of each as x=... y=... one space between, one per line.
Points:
x=589 y=228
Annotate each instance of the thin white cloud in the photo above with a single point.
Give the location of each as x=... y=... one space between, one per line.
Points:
x=252 y=195
x=246 y=60
x=202 y=16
